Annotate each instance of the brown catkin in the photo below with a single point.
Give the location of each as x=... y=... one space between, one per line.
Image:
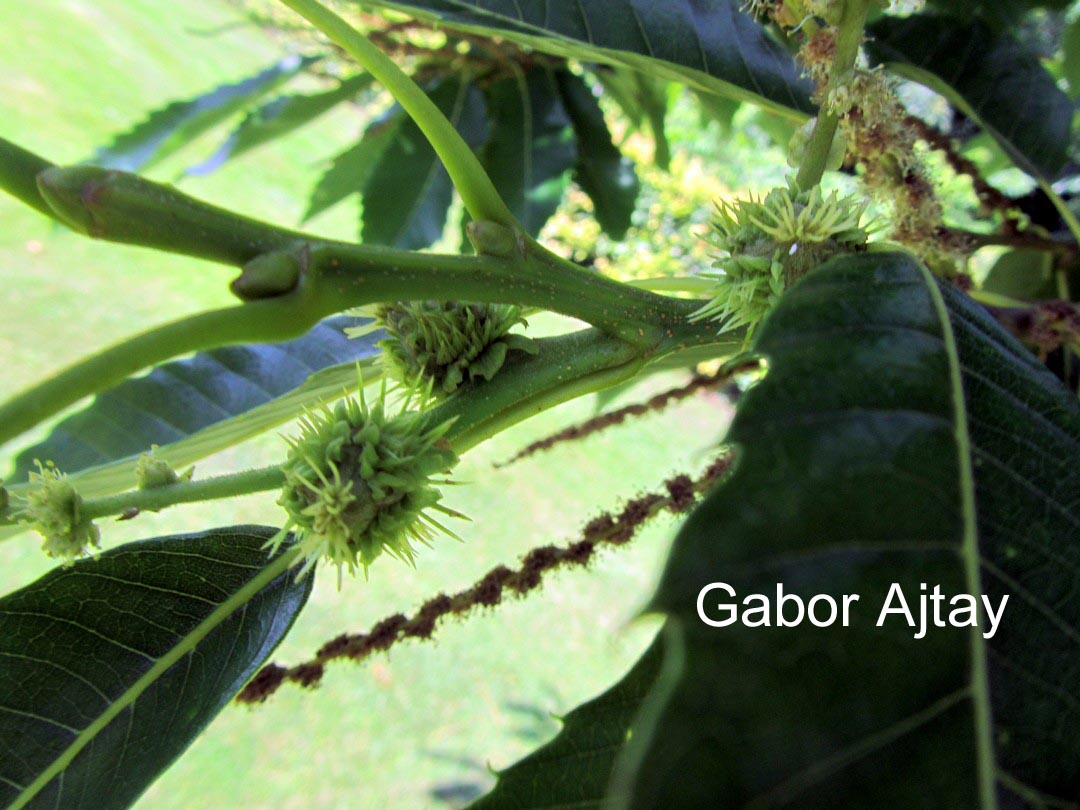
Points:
x=679 y=494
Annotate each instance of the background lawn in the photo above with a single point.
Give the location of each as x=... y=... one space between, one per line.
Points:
x=417 y=728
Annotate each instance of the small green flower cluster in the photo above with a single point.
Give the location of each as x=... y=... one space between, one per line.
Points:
x=152 y=472
x=52 y=507
x=446 y=343
x=358 y=482
x=769 y=244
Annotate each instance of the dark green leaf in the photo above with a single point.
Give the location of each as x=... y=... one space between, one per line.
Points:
x=899 y=436
x=999 y=13
x=721 y=110
x=1024 y=274
x=531 y=151
x=620 y=86
x=602 y=171
x=1071 y=47
x=642 y=98
x=350 y=171
x=713 y=46
x=173 y=127
x=111 y=667
x=573 y=770
x=990 y=77
x=278 y=118
x=652 y=93
x=408 y=193
x=177 y=399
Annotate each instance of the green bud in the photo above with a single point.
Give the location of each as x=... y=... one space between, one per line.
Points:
x=267 y=276
x=152 y=472
x=123 y=207
x=493 y=239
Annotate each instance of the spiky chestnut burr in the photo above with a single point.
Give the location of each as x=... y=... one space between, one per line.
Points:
x=360 y=482
x=445 y=343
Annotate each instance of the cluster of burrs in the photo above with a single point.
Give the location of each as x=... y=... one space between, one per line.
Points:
x=770 y=243
x=445 y=343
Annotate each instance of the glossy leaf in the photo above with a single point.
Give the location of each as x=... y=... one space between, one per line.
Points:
x=111 y=667
x=173 y=127
x=989 y=76
x=602 y=171
x=573 y=770
x=178 y=399
x=532 y=150
x=899 y=436
x=408 y=193
x=713 y=46
x=278 y=118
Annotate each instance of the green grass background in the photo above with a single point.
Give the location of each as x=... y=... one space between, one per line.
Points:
x=418 y=727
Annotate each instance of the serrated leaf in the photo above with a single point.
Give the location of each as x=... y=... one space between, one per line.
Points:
x=174 y=126
x=279 y=117
x=531 y=151
x=602 y=171
x=713 y=46
x=408 y=193
x=573 y=770
x=179 y=399
x=987 y=75
x=899 y=436
x=111 y=667
x=643 y=99
x=350 y=170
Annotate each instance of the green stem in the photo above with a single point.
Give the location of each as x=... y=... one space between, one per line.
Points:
x=123 y=207
x=261 y=321
x=207 y=489
x=477 y=191
x=337 y=277
x=848 y=42
x=19 y=169
x=565 y=367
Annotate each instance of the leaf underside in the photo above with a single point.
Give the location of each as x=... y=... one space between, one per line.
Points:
x=85 y=719
x=178 y=399
x=714 y=45
x=851 y=476
x=882 y=387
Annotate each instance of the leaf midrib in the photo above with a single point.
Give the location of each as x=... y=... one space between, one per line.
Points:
x=986 y=767
x=219 y=615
